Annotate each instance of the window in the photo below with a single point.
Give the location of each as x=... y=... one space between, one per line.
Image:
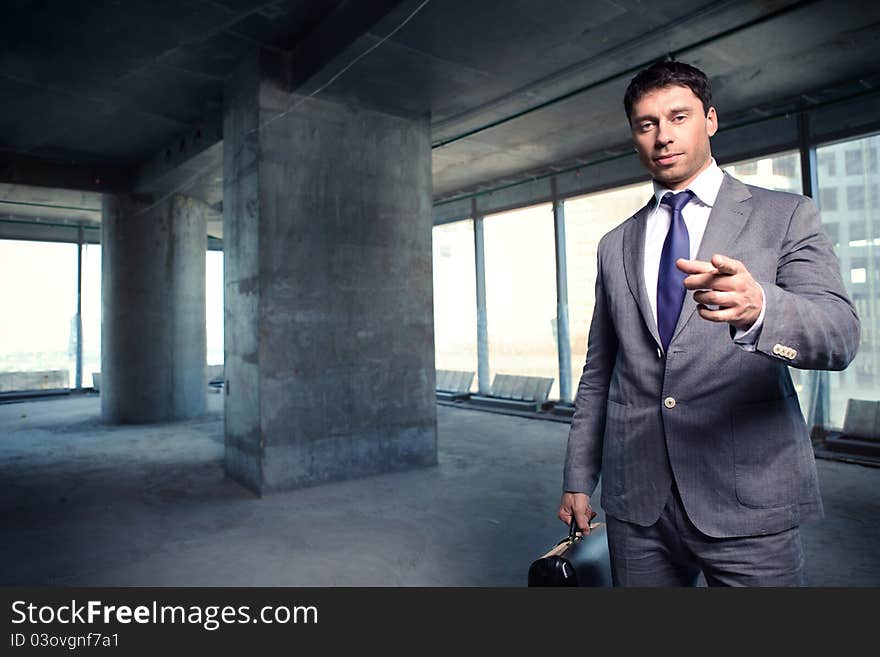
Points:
x=780 y=172
x=853 y=162
x=214 y=306
x=855 y=198
x=521 y=293
x=38 y=323
x=587 y=219
x=828 y=199
x=827 y=164
x=859 y=237
x=455 y=298
x=861 y=160
x=857 y=234
x=787 y=167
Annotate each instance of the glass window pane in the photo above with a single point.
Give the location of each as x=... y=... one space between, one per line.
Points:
x=214 y=306
x=91 y=313
x=38 y=297
x=587 y=219
x=827 y=163
x=781 y=172
x=828 y=199
x=856 y=228
x=521 y=293
x=857 y=232
x=853 y=162
x=455 y=298
x=855 y=197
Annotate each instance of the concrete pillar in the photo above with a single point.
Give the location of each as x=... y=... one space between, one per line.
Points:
x=563 y=339
x=78 y=318
x=329 y=294
x=484 y=385
x=153 y=347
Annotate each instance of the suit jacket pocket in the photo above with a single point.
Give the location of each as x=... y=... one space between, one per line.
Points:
x=613 y=447
x=771 y=452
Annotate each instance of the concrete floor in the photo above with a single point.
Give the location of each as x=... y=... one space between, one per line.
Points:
x=84 y=504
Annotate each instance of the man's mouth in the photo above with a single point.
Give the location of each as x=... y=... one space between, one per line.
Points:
x=668 y=158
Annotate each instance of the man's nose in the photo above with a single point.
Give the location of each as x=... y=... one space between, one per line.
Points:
x=663 y=136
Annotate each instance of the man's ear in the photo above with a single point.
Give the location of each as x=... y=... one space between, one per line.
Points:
x=711 y=122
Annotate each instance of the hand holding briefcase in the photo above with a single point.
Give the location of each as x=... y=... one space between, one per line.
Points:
x=577 y=560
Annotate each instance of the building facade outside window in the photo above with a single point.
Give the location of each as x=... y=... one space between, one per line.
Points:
x=850 y=170
x=781 y=172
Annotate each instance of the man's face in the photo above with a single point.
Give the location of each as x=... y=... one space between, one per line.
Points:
x=671 y=134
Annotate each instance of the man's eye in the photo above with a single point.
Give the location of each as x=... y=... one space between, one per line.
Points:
x=680 y=117
x=644 y=127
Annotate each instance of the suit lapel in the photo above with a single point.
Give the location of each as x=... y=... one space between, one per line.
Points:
x=726 y=221
x=634 y=266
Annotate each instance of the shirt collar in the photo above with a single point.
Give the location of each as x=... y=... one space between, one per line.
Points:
x=705 y=186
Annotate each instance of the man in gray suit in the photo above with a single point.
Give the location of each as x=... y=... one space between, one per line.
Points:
x=704 y=299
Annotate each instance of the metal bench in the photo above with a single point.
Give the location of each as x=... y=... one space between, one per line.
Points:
x=453 y=385
x=527 y=393
x=216 y=377
x=861 y=430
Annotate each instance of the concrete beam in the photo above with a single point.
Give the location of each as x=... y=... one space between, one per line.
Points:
x=192 y=165
x=13 y=227
x=326 y=49
x=19 y=169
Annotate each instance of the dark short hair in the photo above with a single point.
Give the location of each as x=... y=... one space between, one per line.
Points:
x=666 y=74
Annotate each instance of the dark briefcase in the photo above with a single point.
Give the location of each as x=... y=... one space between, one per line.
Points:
x=576 y=560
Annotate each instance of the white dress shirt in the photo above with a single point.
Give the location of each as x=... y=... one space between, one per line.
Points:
x=696 y=215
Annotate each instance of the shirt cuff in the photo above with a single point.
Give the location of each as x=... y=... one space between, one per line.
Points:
x=748 y=340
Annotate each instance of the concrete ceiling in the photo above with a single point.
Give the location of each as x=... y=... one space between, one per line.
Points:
x=100 y=95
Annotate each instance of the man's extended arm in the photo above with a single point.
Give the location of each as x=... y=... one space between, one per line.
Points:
x=808 y=320
x=808 y=308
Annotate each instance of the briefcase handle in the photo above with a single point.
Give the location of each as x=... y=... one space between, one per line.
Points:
x=573 y=531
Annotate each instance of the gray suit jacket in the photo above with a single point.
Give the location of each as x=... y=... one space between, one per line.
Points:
x=723 y=422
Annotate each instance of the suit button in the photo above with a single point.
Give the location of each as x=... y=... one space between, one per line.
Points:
x=777 y=349
x=669 y=402
x=793 y=354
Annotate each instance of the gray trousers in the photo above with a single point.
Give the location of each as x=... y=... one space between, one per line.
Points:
x=673 y=552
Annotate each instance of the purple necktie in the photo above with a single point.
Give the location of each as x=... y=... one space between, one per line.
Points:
x=670 y=279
